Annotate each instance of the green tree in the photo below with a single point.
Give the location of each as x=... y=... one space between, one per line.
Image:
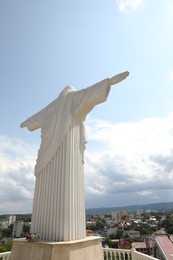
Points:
x=91 y=226
x=26 y=229
x=119 y=233
x=8 y=231
x=100 y=226
x=168 y=224
x=7 y=246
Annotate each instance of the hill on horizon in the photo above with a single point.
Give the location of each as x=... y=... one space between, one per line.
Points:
x=162 y=206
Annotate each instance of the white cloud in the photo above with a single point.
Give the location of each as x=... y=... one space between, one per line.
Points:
x=125 y=5
x=16 y=175
x=132 y=160
x=145 y=193
x=125 y=163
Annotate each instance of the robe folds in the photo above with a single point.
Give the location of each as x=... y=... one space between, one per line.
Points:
x=59 y=206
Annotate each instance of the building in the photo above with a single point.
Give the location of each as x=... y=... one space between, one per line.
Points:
x=17 y=228
x=114 y=215
x=131 y=234
x=12 y=219
x=163 y=247
x=143 y=247
x=112 y=231
x=4 y=224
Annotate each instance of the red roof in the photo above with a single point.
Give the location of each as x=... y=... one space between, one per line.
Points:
x=165 y=243
x=139 y=245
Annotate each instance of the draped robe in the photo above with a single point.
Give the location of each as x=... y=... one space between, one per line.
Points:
x=59 y=207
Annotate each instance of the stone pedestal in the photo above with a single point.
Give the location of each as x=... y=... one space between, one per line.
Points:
x=89 y=248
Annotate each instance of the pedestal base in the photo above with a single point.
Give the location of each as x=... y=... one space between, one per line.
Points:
x=89 y=248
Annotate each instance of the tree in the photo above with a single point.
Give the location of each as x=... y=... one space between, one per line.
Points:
x=119 y=233
x=8 y=231
x=168 y=224
x=7 y=245
x=91 y=226
x=100 y=226
x=26 y=229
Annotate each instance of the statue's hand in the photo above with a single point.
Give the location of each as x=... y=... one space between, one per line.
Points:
x=119 y=77
x=24 y=124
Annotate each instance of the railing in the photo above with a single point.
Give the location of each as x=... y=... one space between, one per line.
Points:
x=140 y=256
x=5 y=256
x=109 y=254
x=124 y=254
x=116 y=254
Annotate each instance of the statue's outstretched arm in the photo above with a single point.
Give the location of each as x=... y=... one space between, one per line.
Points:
x=119 y=77
x=31 y=124
x=36 y=121
x=24 y=124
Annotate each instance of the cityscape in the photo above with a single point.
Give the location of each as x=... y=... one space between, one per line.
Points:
x=147 y=231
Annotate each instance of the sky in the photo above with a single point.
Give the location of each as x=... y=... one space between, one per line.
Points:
x=46 y=45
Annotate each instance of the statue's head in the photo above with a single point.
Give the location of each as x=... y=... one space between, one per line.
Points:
x=66 y=90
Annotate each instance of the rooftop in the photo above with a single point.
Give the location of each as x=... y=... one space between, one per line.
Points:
x=165 y=244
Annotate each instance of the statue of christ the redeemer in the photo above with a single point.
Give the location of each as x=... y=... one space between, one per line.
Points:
x=59 y=206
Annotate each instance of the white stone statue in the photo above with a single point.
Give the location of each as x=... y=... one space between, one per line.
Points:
x=59 y=206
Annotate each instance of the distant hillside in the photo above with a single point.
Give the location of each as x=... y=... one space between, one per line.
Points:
x=163 y=206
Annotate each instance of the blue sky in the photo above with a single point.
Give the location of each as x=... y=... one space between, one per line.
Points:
x=46 y=45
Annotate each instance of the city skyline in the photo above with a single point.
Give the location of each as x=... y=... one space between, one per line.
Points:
x=48 y=45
